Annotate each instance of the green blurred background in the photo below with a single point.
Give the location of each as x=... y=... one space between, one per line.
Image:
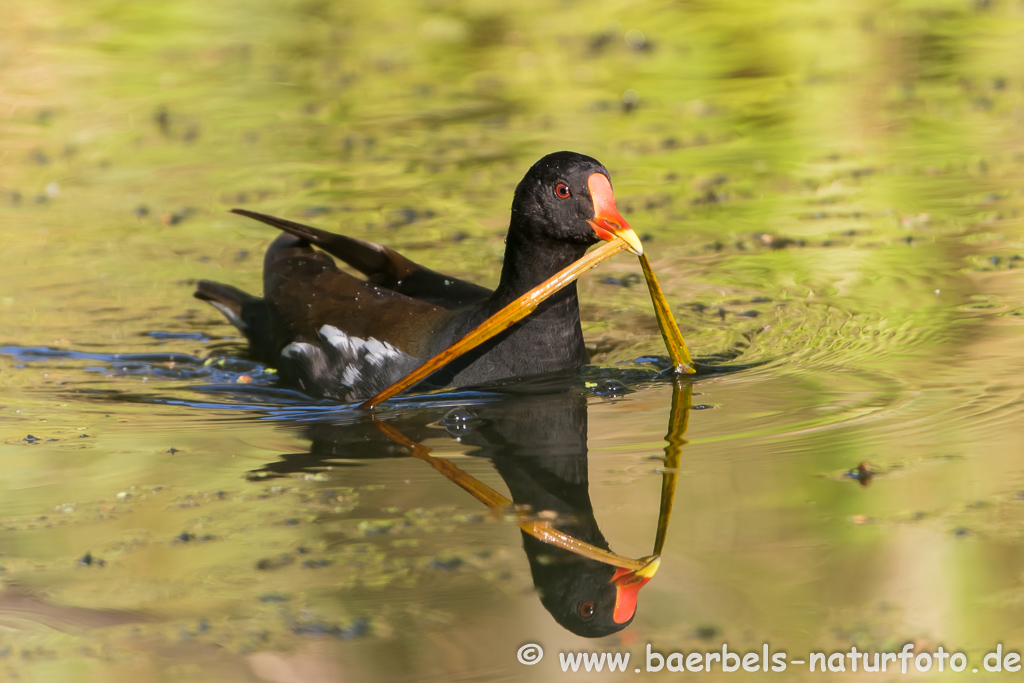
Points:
x=829 y=188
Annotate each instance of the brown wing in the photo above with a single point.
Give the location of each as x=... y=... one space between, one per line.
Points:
x=383 y=267
x=305 y=291
x=337 y=336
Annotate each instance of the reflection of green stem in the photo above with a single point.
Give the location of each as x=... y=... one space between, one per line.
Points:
x=543 y=530
x=539 y=529
x=677 y=423
x=674 y=341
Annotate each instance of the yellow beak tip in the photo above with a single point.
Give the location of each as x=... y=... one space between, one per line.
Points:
x=632 y=242
x=651 y=567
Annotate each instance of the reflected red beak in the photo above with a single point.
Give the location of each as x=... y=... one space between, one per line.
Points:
x=607 y=223
x=627 y=588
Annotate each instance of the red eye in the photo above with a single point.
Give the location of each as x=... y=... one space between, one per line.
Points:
x=562 y=191
x=587 y=610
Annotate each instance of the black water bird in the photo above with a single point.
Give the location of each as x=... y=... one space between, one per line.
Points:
x=337 y=336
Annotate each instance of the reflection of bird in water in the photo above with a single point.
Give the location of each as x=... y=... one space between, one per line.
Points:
x=538 y=444
x=335 y=335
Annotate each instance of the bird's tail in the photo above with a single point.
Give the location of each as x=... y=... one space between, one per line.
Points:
x=229 y=300
x=243 y=310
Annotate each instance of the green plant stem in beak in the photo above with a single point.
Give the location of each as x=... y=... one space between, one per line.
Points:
x=674 y=341
x=502 y=320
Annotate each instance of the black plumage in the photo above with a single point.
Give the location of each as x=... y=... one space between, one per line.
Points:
x=338 y=336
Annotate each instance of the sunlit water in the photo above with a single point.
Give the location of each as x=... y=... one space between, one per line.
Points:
x=830 y=195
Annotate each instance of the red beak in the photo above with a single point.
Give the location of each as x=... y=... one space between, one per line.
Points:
x=627 y=588
x=607 y=223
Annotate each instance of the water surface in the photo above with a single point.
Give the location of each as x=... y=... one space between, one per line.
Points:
x=829 y=192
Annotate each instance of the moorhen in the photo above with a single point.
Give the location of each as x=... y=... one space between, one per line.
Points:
x=334 y=335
